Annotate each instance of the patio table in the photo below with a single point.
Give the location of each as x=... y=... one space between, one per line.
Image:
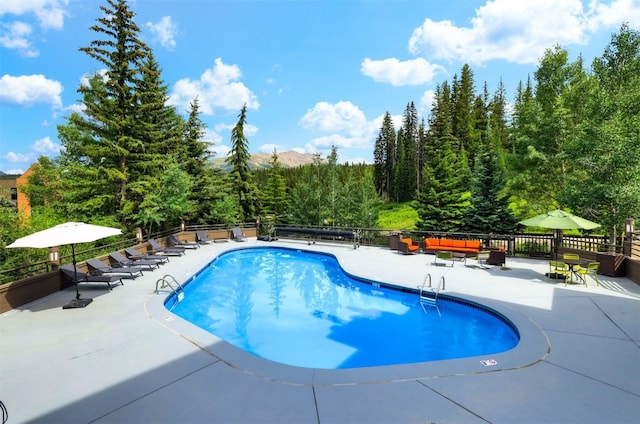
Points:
x=574 y=265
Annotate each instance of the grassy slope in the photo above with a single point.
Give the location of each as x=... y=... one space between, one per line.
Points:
x=397 y=216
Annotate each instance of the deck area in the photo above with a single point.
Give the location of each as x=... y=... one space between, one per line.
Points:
x=125 y=358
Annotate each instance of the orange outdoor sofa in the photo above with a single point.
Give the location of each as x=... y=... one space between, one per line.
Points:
x=463 y=246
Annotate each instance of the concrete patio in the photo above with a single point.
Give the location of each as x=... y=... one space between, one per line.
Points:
x=126 y=358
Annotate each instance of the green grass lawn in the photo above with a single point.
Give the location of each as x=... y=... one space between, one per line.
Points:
x=398 y=216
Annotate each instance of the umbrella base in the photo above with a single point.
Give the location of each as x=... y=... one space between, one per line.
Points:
x=77 y=303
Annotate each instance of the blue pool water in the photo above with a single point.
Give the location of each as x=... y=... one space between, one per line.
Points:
x=300 y=308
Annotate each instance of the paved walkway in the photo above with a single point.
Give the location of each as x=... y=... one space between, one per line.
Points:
x=125 y=358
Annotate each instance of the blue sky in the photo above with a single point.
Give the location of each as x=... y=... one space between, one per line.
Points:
x=312 y=73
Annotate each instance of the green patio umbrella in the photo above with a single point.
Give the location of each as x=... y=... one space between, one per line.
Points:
x=559 y=220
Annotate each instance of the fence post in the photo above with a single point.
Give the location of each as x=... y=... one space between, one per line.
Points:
x=629 y=229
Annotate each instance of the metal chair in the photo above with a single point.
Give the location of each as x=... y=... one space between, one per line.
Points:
x=558 y=268
x=592 y=270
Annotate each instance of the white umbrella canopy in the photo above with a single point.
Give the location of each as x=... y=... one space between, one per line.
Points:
x=69 y=233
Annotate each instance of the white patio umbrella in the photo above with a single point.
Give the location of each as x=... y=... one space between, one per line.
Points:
x=69 y=233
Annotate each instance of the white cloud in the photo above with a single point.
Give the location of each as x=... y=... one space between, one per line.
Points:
x=334 y=117
x=77 y=107
x=426 y=101
x=27 y=90
x=221 y=151
x=613 y=14
x=50 y=13
x=18 y=157
x=45 y=145
x=218 y=91
x=15 y=35
x=164 y=31
x=268 y=148
x=518 y=31
x=19 y=34
x=410 y=72
x=347 y=125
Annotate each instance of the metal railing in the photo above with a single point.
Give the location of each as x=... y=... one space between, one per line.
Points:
x=525 y=245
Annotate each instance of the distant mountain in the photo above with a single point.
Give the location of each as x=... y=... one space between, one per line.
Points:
x=288 y=159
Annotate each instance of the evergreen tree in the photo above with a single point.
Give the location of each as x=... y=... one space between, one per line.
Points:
x=275 y=192
x=384 y=157
x=499 y=135
x=195 y=162
x=463 y=97
x=112 y=112
x=243 y=186
x=159 y=131
x=408 y=162
x=442 y=201
x=308 y=205
x=489 y=209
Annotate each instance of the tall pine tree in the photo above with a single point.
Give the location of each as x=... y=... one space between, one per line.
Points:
x=243 y=185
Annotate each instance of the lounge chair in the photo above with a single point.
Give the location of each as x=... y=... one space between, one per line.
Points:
x=83 y=277
x=238 y=235
x=203 y=238
x=98 y=267
x=117 y=258
x=175 y=242
x=133 y=254
x=159 y=250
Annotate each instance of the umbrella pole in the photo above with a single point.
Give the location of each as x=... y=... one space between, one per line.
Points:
x=75 y=269
x=77 y=302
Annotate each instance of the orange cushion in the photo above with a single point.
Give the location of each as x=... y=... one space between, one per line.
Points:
x=473 y=244
x=458 y=243
x=446 y=242
x=431 y=242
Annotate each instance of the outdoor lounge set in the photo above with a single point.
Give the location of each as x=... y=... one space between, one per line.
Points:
x=448 y=249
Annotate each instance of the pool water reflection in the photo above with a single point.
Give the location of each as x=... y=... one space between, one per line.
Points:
x=300 y=308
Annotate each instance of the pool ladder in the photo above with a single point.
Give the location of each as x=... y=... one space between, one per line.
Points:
x=176 y=288
x=428 y=294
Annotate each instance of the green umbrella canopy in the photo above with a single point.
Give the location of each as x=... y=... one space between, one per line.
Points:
x=559 y=220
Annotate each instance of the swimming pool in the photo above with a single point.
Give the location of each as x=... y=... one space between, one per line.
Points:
x=299 y=308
